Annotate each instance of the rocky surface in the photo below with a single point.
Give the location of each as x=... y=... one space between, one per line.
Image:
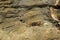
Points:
x=27 y=20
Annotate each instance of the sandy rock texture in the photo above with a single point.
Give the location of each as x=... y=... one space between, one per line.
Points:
x=27 y=20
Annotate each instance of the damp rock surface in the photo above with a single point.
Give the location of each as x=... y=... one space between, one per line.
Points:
x=27 y=20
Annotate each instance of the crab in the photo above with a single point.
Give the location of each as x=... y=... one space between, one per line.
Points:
x=55 y=13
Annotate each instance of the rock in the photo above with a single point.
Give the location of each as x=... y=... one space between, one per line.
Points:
x=1 y=18
x=27 y=20
x=25 y=3
x=34 y=2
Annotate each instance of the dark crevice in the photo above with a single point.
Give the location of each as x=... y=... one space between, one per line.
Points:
x=12 y=6
x=22 y=21
x=1 y=22
x=56 y=24
x=4 y=0
x=35 y=24
x=59 y=18
x=30 y=7
x=56 y=7
x=11 y=17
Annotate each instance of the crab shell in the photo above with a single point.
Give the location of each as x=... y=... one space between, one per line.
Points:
x=54 y=14
x=57 y=2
